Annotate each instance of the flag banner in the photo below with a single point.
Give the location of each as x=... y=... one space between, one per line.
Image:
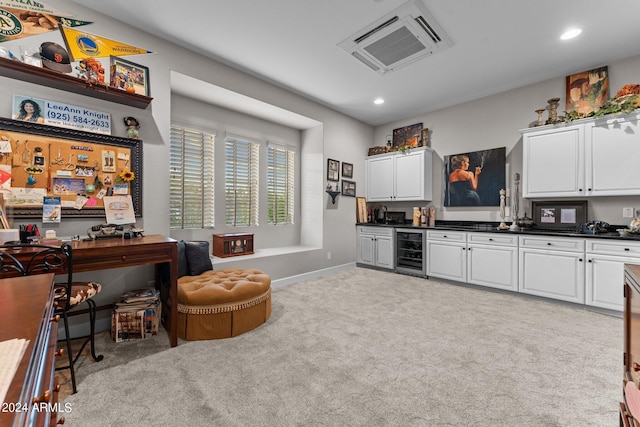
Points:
x=82 y=45
x=16 y=23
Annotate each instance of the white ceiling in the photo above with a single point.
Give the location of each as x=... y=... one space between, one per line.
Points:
x=498 y=45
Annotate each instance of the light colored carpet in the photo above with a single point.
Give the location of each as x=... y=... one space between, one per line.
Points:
x=367 y=348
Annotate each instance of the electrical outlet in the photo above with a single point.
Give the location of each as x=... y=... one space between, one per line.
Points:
x=627 y=212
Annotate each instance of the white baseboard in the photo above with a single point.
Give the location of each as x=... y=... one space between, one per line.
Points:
x=278 y=283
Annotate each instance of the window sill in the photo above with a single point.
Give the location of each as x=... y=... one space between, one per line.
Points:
x=263 y=253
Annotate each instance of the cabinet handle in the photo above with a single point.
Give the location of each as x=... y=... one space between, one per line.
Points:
x=626 y=249
x=490 y=239
x=548 y=243
x=590 y=260
x=580 y=259
x=580 y=189
x=445 y=236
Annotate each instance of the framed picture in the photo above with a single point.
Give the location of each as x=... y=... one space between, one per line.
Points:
x=587 y=91
x=475 y=178
x=408 y=136
x=348 y=188
x=333 y=172
x=361 y=210
x=347 y=170
x=129 y=76
x=559 y=215
x=61 y=175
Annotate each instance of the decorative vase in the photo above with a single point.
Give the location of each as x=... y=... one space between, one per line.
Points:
x=540 y=121
x=553 y=110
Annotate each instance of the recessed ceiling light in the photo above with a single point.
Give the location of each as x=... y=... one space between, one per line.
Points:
x=378 y=101
x=569 y=34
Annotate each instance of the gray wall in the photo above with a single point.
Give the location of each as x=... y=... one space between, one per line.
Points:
x=493 y=122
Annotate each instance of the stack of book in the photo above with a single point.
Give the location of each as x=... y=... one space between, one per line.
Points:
x=136 y=315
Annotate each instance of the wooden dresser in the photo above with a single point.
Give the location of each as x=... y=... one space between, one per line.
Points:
x=26 y=311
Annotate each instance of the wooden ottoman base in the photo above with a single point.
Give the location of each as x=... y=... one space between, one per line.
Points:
x=207 y=321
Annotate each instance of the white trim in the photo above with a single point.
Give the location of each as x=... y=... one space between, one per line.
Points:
x=278 y=283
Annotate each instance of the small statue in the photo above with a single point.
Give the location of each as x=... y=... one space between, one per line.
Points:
x=132 y=127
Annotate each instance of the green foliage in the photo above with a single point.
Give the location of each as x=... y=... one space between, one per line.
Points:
x=612 y=106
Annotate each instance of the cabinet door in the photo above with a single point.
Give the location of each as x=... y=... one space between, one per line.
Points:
x=558 y=275
x=409 y=174
x=366 y=249
x=384 y=252
x=494 y=266
x=447 y=261
x=380 y=179
x=605 y=279
x=553 y=163
x=613 y=150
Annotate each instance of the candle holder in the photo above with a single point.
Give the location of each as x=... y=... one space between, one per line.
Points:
x=503 y=225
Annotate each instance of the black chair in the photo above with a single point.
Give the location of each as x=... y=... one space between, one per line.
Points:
x=27 y=259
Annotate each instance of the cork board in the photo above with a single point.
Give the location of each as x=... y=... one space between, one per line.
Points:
x=51 y=161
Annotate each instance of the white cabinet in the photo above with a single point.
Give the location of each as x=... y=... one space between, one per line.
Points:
x=375 y=246
x=612 y=153
x=552 y=267
x=553 y=162
x=586 y=158
x=492 y=260
x=400 y=176
x=447 y=254
x=605 y=271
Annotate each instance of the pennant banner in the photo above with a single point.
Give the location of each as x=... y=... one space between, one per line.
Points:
x=16 y=23
x=82 y=45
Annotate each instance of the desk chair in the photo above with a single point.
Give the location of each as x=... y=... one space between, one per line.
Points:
x=25 y=259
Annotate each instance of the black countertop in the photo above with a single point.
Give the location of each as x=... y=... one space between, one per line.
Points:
x=487 y=227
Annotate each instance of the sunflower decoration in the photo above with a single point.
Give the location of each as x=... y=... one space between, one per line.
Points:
x=125 y=177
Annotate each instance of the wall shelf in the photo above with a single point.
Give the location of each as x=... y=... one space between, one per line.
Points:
x=333 y=195
x=45 y=77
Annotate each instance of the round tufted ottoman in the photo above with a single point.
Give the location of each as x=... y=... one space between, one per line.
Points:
x=222 y=303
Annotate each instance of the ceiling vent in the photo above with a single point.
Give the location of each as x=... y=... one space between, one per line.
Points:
x=403 y=36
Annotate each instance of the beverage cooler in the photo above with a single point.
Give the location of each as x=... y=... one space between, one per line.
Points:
x=410 y=247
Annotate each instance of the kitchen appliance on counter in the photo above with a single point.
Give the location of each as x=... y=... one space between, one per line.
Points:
x=396 y=218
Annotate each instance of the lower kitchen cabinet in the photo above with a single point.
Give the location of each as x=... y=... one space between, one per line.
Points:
x=447 y=255
x=492 y=260
x=375 y=246
x=605 y=272
x=552 y=268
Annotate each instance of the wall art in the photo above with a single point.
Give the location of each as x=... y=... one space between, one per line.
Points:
x=587 y=91
x=408 y=136
x=475 y=178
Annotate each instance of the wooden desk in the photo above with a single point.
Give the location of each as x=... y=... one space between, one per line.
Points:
x=102 y=254
x=26 y=311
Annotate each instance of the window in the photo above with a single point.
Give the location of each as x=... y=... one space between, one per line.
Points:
x=280 y=188
x=241 y=182
x=191 y=183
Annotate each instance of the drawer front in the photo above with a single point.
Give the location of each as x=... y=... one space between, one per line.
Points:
x=554 y=243
x=378 y=231
x=612 y=247
x=449 y=236
x=492 y=239
x=96 y=259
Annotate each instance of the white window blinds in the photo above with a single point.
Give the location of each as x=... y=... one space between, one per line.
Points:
x=192 y=178
x=241 y=182
x=280 y=188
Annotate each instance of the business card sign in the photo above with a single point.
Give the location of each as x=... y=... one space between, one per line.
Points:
x=61 y=115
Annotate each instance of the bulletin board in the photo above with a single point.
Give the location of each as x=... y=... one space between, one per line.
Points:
x=66 y=163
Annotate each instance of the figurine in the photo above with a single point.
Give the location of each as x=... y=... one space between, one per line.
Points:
x=132 y=127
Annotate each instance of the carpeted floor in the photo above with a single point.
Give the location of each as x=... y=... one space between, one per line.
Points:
x=367 y=348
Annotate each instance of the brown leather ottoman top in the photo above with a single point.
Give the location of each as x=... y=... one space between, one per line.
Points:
x=222 y=286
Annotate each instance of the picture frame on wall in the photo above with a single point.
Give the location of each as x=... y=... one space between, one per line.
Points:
x=347 y=170
x=129 y=76
x=348 y=188
x=333 y=170
x=587 y=92
x=408 y=136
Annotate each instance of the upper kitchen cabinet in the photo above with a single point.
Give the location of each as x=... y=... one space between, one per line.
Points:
x=585 y=158
x=400 y=176
x=553 y=162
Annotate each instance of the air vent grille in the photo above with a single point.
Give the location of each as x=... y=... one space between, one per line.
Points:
x=403 y=36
